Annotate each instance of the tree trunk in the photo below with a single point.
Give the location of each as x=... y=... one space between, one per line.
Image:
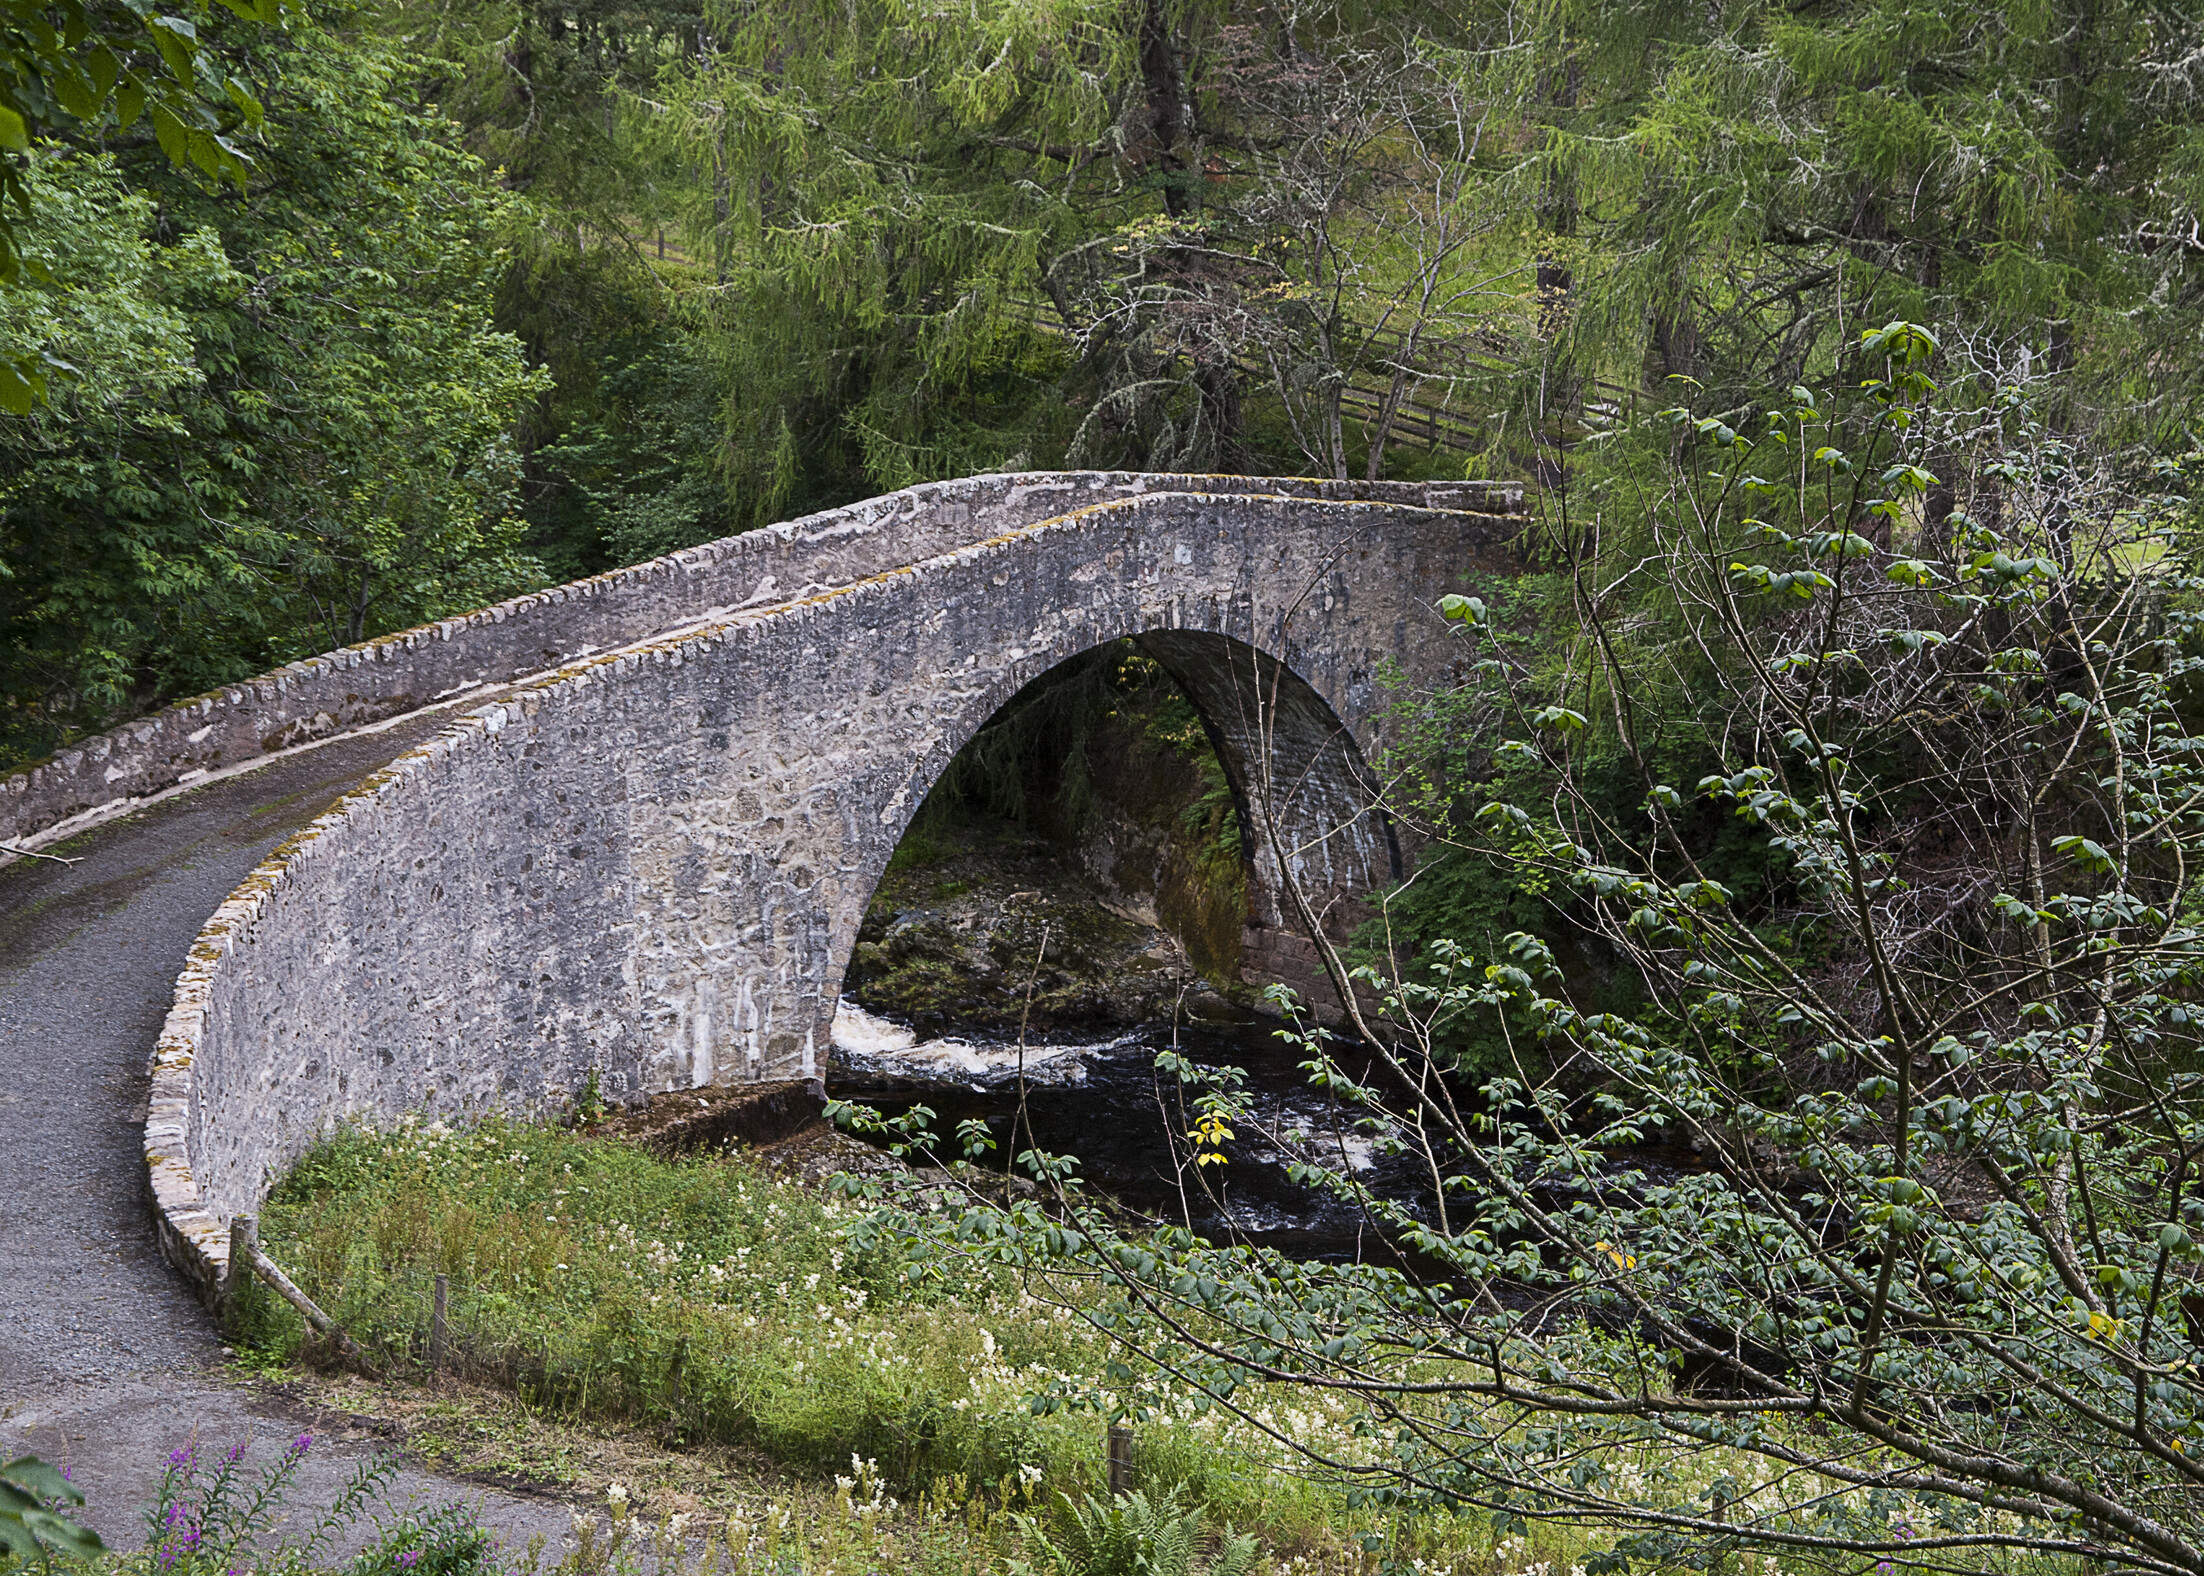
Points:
x=1335 y=431
x=1219 y=385
x=1164 y=81
x=1557 y=215
x=719 y=199
x=1678 y=349
x=1382 y=433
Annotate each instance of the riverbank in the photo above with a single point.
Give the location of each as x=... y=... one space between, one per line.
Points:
x=767 y=1329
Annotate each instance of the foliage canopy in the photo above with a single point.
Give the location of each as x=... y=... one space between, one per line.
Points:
x=1887 y=1184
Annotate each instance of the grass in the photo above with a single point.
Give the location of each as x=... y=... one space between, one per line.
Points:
x=708 y=1310
x=772 y=1394
x=708 y=1360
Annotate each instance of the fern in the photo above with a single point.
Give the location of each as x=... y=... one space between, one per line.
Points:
x=1133 y=1535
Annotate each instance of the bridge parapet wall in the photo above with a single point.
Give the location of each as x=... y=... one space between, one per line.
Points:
x=448 y=662
x=652 y=863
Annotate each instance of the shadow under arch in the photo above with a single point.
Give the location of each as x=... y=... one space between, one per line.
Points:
x=1313 y=838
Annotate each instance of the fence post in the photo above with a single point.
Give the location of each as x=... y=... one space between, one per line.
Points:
x=1121 y=1460
x=674 y=1432
x=436 y=1324
x=244 y=1244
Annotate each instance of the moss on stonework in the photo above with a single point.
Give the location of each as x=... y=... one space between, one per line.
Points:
x=991 y=920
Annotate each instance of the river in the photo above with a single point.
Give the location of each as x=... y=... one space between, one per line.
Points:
x=1101 y=1099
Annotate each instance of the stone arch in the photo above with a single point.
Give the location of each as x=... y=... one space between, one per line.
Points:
x=633 y=860
x=768 y=778
x=1304 y=793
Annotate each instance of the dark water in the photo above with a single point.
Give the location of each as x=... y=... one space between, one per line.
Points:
x=1120 y=1119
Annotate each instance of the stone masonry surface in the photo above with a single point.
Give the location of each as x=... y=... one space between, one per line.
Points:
x=651 y=862
x=448 y=661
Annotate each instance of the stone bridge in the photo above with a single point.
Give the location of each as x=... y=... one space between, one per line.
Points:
x=643 y=845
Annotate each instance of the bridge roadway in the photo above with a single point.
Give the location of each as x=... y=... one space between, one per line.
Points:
x=106 y=1361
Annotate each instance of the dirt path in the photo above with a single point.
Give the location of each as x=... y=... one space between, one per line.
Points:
x=106 y=1362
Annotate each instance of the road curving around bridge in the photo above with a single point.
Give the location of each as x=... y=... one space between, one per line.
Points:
x=106 y=1360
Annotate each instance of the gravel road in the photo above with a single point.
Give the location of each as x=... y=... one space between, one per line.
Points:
x=106 y=1361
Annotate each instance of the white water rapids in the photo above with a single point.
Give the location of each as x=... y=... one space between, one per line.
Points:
x=871 y=1047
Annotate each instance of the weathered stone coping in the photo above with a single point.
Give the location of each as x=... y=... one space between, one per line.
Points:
x=447 y=664
x=221 y=963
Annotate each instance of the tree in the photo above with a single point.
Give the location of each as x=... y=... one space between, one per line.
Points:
x=1731 y=193
x=1339 y=253
x=1180 y=236
x=287 y=427
x=80 y=70
x=1927 y=1294
x=876 y=188
x=620 y=451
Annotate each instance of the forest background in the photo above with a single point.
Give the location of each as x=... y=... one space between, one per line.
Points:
x=406 y=307
x=320 y=319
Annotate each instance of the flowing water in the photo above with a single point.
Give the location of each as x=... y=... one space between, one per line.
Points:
x=1102 y=1100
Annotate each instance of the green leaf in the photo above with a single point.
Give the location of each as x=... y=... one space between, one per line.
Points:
x=15 y=136
x=205 y=152
x=38 y=1478
x=105 y=71
x=171 y=133
x=247 y=105
x=21 y=390
x=178 y=42
x=1904 y=343
x=29 y=1528
x=2090 y=855
x=74 y=91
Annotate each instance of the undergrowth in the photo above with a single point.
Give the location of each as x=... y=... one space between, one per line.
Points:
x=707 y=1302
x=716 y=1304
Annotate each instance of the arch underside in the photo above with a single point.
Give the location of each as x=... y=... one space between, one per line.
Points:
x=756 y=843
x=1314 y=840
x=1307 y=797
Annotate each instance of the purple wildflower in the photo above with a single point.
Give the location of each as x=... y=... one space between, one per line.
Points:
x=408 y=1559
x=302 y=1444
x=181 y=1537
x=237 y=1452
x=1882 y=1568
x=182 y=1455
